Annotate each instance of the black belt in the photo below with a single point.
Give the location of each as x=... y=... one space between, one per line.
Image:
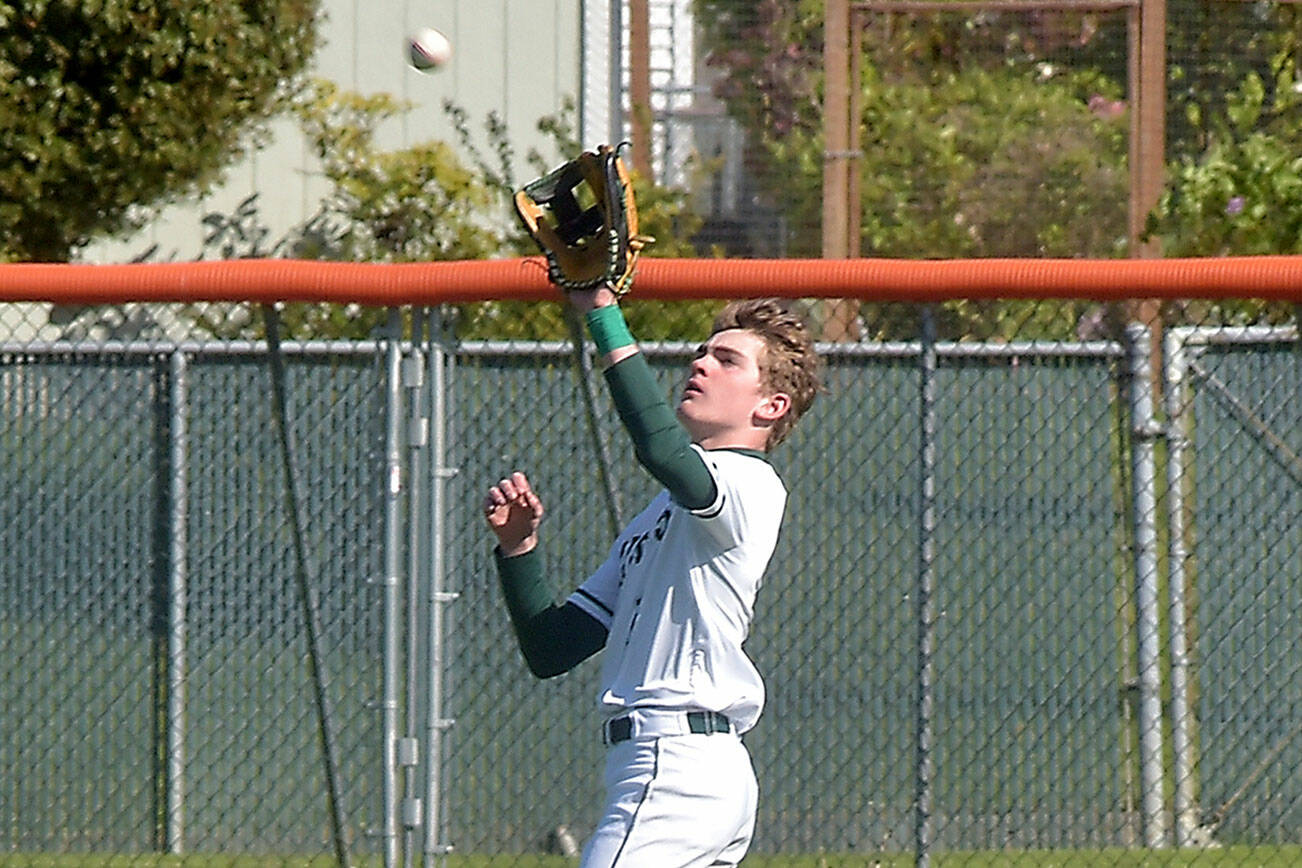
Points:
x=699 y=722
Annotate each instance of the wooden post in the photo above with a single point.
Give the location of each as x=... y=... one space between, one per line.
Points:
x=1149 y=122
x=639 y=85
x=836 y=128
x=839 y=317
x=853 y=162
x=1148 y=155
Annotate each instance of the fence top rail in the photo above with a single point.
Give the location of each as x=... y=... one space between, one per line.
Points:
x=909 y=349
x=523 y=279
x=1178 y=335
x=165 y=347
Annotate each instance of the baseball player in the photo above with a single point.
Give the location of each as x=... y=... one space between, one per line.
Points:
x=672 y=603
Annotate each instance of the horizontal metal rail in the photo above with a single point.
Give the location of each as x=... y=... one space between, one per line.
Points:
x=215 y=347
x=887 y=349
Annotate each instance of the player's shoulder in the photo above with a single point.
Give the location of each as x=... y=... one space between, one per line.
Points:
x=745 y=465
x=750 y=496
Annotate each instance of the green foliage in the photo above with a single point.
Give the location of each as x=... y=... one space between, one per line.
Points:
x=996 y=320
x=111 y=109
x=1211 y=49
x=412 y=205
x=1004 y=134
x=770 y=56
x=973 y=145
x=974 y=163
x=545 y=321
x=990 y=163
x=1243 y=194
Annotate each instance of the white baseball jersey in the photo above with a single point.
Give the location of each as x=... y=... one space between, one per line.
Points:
x=677 y=595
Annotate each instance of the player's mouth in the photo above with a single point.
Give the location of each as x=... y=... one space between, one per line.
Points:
x=691 y=389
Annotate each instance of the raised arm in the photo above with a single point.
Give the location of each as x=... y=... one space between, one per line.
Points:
x=661 y=443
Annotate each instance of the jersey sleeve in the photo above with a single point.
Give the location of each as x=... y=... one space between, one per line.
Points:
x=597 y=595
x=749 y=498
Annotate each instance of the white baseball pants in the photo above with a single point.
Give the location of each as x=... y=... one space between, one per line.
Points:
x=681 y=801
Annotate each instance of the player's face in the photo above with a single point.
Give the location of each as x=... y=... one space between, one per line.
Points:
x=723 y=391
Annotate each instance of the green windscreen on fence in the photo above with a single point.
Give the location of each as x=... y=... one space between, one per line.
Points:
x=86 y=526
x=133 y=475
x=1247 y=534
x=79 y=633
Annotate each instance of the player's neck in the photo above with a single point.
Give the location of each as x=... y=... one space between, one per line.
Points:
x=749 y=438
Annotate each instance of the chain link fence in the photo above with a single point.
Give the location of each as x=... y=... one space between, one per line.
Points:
x=1033 y=585
x=1035 y=601
x=155 y=685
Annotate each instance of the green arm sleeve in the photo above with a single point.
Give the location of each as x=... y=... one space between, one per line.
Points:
x=661 y=443
x=554 y=639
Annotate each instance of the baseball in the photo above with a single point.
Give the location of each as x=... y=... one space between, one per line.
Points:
x=428 y=49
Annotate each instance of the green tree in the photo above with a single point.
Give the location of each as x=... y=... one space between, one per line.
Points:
x=1242 y=195
x=416 y=204
x=1211 y=49
x=973 y=144
x=991 y=163
x=114 y=108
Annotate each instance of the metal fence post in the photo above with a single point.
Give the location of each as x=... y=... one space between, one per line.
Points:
x=176 y=608
x=1144 y=431
x=615 y=39
x=436 y=848
x=926 y=580
x=1176 y=398
x=391 y=581
x=413 y=380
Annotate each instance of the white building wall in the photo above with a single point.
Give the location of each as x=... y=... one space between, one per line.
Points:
x=519 y=58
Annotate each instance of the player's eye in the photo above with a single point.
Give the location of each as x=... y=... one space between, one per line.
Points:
x=726 y=357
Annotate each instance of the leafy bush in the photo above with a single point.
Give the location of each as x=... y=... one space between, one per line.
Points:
x=1243 y=194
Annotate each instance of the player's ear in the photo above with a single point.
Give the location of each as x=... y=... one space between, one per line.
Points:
x=773 y=407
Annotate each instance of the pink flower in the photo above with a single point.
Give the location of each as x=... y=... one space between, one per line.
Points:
x=1107 y=109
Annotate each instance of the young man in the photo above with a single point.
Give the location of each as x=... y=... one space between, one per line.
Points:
x=673 y=602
